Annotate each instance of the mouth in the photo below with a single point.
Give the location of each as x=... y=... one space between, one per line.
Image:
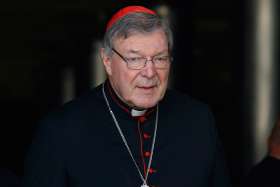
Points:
x=146 y=87
x=147 y=90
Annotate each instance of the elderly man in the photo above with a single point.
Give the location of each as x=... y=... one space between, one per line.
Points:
x=129 y=131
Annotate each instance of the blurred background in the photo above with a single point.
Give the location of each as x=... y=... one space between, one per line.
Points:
x=226 y=54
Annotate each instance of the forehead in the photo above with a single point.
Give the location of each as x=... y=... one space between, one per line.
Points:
x=155 y=41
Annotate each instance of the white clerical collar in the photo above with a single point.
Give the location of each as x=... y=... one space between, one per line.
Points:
x=137 y=113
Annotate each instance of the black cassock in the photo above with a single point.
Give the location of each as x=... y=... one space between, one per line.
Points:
x=79 y=145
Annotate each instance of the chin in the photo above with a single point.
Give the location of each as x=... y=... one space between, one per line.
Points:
x=146 y=101
x=145 y=104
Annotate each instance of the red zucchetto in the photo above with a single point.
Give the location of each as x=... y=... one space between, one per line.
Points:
x=127 y=10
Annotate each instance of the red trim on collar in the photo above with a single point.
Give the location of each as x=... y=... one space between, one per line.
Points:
x=142 y=119
x=117 y=100
x=150 y=110
x=120 y=103
x=127 y=10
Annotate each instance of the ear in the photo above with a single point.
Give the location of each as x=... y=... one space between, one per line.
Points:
x=107 y=61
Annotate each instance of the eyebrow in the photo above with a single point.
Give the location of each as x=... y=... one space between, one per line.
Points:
x=134 y=51
x=139 y=53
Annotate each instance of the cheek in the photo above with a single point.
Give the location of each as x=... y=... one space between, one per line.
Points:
x=127 y=84
x=163 y=76
x=163 y=82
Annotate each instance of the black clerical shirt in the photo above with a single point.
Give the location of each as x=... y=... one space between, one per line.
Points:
x=79 y=146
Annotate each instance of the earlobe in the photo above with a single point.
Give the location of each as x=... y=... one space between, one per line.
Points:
x=106 y=60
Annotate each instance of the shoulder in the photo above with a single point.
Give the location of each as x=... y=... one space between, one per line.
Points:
x=88 y=102
x=70 y=126
x=187 y=113
x=76 y=113
x=184 y=102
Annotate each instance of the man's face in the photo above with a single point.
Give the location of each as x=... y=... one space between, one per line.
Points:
x=142 y=88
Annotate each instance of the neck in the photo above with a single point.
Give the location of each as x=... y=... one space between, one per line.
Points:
x=127 y=104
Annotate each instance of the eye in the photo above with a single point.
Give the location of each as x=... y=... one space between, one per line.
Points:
x=161 y=59
x=135 y=59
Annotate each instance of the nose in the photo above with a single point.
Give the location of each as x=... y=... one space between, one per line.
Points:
x=149 y=70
